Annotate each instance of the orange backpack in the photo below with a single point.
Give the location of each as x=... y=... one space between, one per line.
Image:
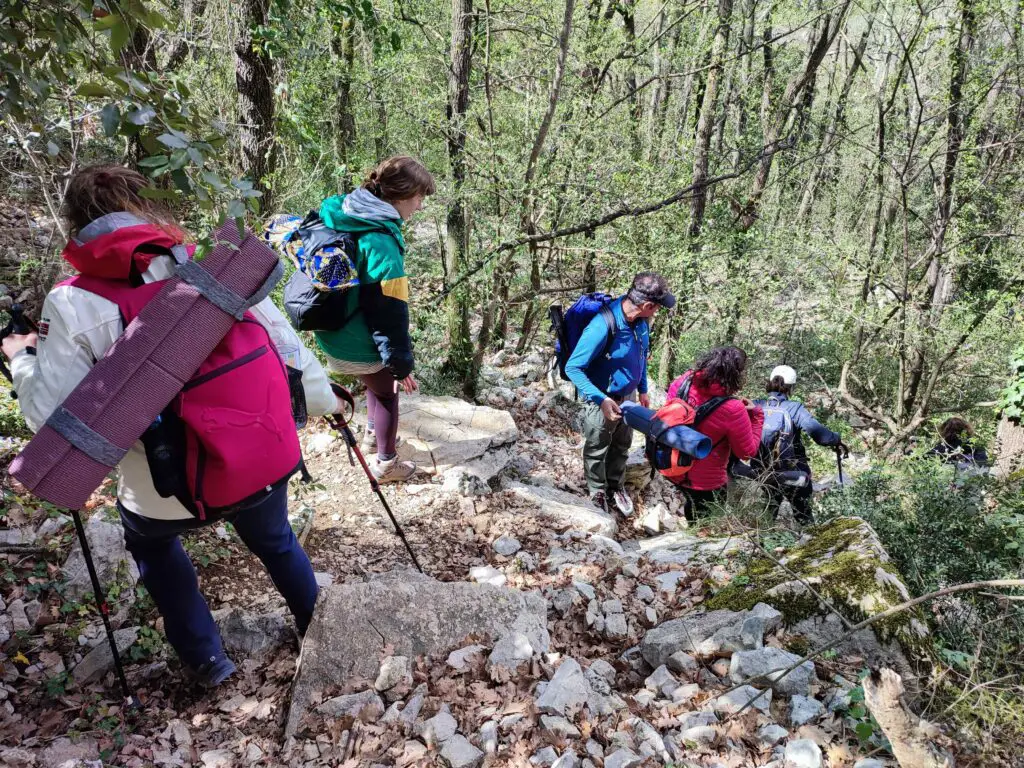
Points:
x=671 y=462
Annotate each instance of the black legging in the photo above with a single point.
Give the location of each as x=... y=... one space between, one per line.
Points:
x=382 y=410
x=798 y=496
x=697 y=502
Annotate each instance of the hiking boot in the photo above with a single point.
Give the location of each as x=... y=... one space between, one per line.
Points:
x=622 y=503
x=599 y=500
x=214 y=672
x=392 y=470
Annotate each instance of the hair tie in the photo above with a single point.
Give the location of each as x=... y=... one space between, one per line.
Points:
x=378 y=190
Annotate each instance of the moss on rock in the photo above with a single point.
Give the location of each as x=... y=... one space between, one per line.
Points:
x=845 y=563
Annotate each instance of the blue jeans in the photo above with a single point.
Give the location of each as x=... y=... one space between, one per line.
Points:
x=170 y=577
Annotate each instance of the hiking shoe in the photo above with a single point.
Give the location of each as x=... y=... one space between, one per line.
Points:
x=599 y=500
x=392 y=470
x=622 y=503
x=214 y=672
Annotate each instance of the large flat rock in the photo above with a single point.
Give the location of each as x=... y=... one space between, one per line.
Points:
x=566 y=509
x=413 y=614
x=439 y=433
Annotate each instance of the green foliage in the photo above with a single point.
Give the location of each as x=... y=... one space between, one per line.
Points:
x=149 y=643
x=12 y=423
x=1011 y=402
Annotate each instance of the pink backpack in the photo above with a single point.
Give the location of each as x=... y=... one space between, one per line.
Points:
x=228 y=438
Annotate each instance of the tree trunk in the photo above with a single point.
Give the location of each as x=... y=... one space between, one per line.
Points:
x=529 y=214
x=460 y=362
x=343 y=46
x=253 y=78
x=706 y=121
x=1009 y=448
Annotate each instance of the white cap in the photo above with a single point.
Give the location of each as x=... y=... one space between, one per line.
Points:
x=787 y=374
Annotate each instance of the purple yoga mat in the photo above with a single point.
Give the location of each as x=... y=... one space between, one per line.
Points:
x=143 y=371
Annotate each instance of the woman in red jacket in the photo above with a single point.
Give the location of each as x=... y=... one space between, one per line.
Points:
x=733 y=424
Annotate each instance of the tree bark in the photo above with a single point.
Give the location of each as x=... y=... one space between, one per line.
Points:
x=343 y=45
x=460 y=362
x=1009 y=448
x=253 y=78
x=529 y=214
x=706 y=121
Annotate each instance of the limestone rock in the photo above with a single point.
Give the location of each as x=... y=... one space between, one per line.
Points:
x=683 y=663
x=106 y=543
x=489 y=737
x=249 y=635
x=100 y=660
x=485 y=574
x=446 y=432
x=702 y=633
x=509 y=653
x=459 y=753
x=734 y=701
x=803 y=710
x=459 y=660
x=773 y=663
x=770 y=735
x=367 y=703
x=803 y=753
x=566 y=509
x=623 y=758
x=424 y=616
x=506 y=546
x=393 y=670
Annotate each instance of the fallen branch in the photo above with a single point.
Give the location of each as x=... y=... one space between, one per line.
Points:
x=909 y=735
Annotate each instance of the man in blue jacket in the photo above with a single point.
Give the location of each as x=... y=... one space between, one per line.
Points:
x=607 y=368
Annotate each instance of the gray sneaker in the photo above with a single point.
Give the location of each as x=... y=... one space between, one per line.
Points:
x=622 y=502
x=392 y=471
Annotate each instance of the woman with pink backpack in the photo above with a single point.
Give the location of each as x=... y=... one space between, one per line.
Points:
x=124 y=246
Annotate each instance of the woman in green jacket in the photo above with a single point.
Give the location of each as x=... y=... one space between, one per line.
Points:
x=374 y=344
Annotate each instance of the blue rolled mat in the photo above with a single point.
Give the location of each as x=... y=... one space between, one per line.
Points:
x=689 y=441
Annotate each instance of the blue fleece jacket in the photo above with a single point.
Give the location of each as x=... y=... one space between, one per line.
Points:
x=622 y=370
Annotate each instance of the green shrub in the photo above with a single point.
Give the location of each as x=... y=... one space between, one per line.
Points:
x=943 y=529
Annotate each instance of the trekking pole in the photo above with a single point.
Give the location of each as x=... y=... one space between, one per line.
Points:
x=101 y=603
x=839 y=464
x=341 y=423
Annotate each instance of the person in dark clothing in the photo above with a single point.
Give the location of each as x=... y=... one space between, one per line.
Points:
x=782 y=463
x=956 y=446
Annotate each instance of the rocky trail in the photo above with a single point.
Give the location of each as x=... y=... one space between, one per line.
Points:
x=543 y=632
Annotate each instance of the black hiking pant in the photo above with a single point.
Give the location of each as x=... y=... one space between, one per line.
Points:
x=799 y=497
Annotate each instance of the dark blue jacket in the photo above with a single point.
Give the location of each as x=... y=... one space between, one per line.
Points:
x=622 y=370
x=803 y=422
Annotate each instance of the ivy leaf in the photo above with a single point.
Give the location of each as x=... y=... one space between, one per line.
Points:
x=154 y=161
x=118 y=35
x=857 y=711
x=864 y=731
x=141 y=116
x=93 y=89
x=111 y=118
x=172 y=141
x=236 y=209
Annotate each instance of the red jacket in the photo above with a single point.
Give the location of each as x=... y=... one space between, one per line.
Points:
x=732 y=429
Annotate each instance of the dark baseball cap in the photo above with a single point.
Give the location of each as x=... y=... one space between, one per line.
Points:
x=650 y=286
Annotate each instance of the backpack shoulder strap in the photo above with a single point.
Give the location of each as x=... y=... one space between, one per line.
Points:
x=613 y=326
x=707 y=408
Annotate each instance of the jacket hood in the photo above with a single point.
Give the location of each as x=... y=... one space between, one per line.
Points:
x=333 y=214
x=108 y=246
